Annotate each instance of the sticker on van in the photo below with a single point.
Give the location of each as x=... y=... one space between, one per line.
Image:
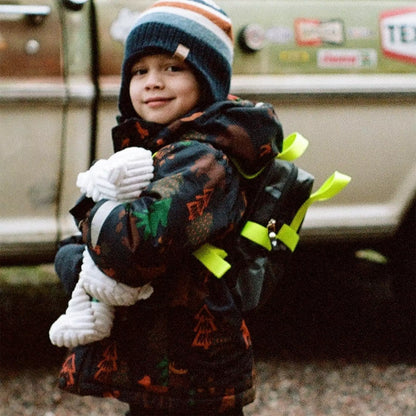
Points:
x=313 y=32
x=398 y=34
x=347 y=58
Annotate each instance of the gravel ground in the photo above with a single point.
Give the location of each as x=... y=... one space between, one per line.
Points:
x=338 y=339
x=335 y=387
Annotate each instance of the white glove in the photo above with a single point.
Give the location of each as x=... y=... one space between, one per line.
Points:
x=122 y=177
x=107 y=290
x=84 y=321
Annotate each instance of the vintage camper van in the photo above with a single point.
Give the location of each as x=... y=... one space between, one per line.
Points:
x=341 y=72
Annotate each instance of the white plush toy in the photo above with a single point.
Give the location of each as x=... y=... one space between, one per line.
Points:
x=90 y=312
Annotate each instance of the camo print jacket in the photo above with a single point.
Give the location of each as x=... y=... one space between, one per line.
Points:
x=186 y=349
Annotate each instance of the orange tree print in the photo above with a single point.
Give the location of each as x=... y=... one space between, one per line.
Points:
x=204 y=328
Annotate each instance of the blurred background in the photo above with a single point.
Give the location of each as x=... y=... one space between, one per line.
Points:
x=342 y=73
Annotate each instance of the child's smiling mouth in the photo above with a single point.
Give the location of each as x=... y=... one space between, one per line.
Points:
x=155 y=102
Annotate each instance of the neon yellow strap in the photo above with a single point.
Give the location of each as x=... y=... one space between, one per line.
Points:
x=288 y=234
x=213 y=259
x=246 y=175
x=294 y=146
x=260 y=235
x=331 y=187
x=257 y=234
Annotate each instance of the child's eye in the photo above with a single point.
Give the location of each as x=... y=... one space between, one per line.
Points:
x=175 y=68
x=138 y=71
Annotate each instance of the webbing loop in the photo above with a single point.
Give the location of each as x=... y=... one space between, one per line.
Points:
x=257 y=234
x=212 y=258
x=288 y=234
x=331 y=187
x=294 y=146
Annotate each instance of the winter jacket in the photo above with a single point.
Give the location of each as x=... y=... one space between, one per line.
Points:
x=187 y=347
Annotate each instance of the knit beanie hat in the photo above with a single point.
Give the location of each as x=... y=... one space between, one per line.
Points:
x=197 y=31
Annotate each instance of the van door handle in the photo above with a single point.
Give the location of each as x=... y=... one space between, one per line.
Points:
x=37 y=13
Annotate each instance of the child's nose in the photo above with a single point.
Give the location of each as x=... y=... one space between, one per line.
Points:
x=154 y=79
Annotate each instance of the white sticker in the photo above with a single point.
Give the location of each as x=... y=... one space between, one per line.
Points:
x=398 y=34
x=313 y=32
x=360 y=32
x=347 y=58
x=279 y=34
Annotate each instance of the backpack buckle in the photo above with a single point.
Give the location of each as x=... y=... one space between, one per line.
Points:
x=271 y=230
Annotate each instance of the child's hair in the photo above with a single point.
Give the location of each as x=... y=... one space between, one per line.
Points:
x=197 y=31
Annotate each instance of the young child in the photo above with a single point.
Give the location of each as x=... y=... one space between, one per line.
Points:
x=186 y=349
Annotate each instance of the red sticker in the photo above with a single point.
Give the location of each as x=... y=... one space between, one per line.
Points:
x=398 y=34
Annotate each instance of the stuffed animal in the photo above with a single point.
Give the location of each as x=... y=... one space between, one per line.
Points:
x=90 y=312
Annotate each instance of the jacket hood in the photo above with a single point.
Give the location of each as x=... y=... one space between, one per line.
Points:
x=248 y=133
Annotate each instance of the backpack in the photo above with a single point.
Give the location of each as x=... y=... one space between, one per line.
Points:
x=259 y=250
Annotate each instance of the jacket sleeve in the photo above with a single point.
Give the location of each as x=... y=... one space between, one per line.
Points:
x=68 y=262
x=193 y=197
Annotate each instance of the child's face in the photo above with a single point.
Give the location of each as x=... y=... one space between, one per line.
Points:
x=163 y=88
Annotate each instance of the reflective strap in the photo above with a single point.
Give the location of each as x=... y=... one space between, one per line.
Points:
x=260 y=235
x=294 y=146
x=331 y=187
x=288 y=234
x=257 y=234
x=213 y=259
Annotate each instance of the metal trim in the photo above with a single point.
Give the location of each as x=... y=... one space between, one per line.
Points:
x=26 y=10
x=46 y=92
x=309 y=84
x=302 y=85
x=33 y=91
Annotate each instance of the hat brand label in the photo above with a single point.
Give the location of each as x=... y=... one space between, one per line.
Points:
x=181 y=52
x=398 y=34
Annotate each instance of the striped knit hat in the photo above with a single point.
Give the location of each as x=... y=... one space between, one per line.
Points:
x=196 y=30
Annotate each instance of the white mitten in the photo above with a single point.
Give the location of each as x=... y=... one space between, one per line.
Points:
x=107 y=290
x=122 y=177
x=84 y=321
